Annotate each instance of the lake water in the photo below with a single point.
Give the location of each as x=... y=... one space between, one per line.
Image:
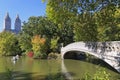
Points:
x=30 y=69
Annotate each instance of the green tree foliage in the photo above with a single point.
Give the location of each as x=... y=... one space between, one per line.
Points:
x=71 y=15
x=37 y=26
x=9 y=44
x=25 y=42
x=85 y=27
x=91 y=20
x=65 y=33
x=61 y=13
x=107 y=23
x=101 y=74
x=54 y=44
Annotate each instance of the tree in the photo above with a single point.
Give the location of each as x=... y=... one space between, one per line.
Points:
x=25 y=42
x=85 y=28
x=9 y=44
x=107 y=23
x=60 y=14
x=54 y=44
x=37 y=26
x=92 y=20
x=38 y=46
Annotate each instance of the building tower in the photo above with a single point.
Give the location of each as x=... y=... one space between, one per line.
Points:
x=17 y=24
x=7 y=23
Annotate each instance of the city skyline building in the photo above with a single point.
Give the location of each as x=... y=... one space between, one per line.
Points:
x=8 y=23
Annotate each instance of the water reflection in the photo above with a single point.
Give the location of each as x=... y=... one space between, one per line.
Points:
x=14 y=62
x=15 y=58
x=65 y=71
x=76 y=69
x=30 y=69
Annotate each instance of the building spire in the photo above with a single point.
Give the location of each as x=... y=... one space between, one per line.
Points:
x=17 y=16
x=7 y=16
x=7 y=22
x=17 y=24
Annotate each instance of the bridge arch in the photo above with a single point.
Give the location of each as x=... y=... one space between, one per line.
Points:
x=78 y=46
x=99 y=50
x=75 y=55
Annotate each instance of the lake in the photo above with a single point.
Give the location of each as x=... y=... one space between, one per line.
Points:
x=29 y=69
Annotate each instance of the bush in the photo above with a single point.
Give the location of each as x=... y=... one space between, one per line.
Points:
x=9 y=44
x=30 y=54
x=52 y=55
x=39 y=46
x=39 y=55
x=101 y=74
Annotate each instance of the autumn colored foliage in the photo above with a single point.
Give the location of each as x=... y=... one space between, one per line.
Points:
x=37 y=39
x=38 y=45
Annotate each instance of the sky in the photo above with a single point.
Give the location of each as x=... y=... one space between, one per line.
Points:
x=24 y=8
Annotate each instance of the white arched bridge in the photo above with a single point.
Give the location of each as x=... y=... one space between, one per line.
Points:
x=107 y=51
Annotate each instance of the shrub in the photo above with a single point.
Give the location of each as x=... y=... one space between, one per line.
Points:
x=30 y=54
x=101 y=74
x=53 y=55
x=38 y=46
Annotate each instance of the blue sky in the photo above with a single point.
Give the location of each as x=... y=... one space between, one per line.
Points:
x=25 y=9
